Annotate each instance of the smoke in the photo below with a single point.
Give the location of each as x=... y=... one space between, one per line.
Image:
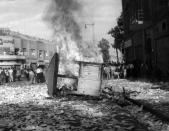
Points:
x=62 y=17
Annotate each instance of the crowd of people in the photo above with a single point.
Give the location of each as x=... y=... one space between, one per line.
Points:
x=114 y=71
x=133 y=71
x=12 y=74
x=36 y=75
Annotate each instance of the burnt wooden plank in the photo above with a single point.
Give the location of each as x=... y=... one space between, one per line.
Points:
x=88 y=63
x=67 y=76
x=89 y=82
x=51 y=75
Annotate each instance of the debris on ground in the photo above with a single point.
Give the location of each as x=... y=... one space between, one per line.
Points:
x=27 y=107
x=155 y=95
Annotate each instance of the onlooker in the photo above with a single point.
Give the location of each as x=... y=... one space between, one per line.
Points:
x=44 y=72
x=7 y=75
x=11 y=75
x=14 y=74
x=18 y=74
x=26 y=71
x=31 y=76
x=0 y=76
x=3 y=75
x=39 y=72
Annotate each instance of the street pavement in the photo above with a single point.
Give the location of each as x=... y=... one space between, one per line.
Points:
x=154 y=95
x=25 y=107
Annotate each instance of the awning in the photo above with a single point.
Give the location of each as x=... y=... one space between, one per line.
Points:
x=9 y=63
x=12 y=57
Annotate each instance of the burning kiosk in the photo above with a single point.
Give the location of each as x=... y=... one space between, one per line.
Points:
x=89 y=79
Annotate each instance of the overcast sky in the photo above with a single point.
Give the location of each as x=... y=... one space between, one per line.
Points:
x=26 y=16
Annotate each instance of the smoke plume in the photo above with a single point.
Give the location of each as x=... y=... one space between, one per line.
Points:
x=62 y=16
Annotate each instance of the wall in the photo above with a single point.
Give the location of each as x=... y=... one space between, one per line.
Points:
x=163 y=54
x=9 y=41
x=6 y=44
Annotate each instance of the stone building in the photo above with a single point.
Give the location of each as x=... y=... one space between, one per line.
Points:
x=17 y=49
x=146 y=25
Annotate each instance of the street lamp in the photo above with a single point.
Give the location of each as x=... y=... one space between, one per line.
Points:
x=92 y=24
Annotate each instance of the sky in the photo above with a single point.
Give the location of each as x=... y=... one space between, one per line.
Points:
x=26 y=16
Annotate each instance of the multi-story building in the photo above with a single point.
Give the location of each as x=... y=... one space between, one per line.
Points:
x=146 y=24
x=19 y=49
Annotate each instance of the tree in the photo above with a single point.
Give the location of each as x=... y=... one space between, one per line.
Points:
x=104 y=46
x=118 y=34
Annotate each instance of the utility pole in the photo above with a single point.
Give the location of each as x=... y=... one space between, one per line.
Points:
x=93 y=31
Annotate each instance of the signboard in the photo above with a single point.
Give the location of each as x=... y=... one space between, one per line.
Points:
x=4 y=31
x=4 y=50
x=91 y=72
x=89 y=82
x=6 y=39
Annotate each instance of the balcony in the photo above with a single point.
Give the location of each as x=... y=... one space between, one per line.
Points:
x=12 y=57
x=138 y=25
x=140 y=21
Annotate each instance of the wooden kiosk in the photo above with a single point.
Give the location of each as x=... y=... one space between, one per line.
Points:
x=89 y=79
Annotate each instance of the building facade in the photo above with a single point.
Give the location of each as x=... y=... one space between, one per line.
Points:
x=19 y=49
x=146 y=24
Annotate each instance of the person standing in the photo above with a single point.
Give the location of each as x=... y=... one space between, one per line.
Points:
x=0 y=76
x=11 y=75
x=14 y=74
x=38 y=75
x=7 y=75
x=18 y=74
x=31 y=76
x=39 y=72
x=3 y=76
x=26 y=73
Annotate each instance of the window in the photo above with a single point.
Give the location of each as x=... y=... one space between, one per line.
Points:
x=129 y=53
x=45 y=53
x=140 y=11
x=51 y=53
x=4 y=31
x=140 y=15
x=33 y=52
x=156 y=29
x=24 y=51
x=41 y=54
x=163 y=2
x=16 y=51
x=164 y=26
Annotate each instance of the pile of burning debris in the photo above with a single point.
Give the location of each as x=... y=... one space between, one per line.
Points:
x=87 y=82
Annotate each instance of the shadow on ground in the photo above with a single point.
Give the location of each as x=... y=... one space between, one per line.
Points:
x=68 y=113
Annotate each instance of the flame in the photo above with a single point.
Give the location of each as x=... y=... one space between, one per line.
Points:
x=62 y=16
x=69 y=52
